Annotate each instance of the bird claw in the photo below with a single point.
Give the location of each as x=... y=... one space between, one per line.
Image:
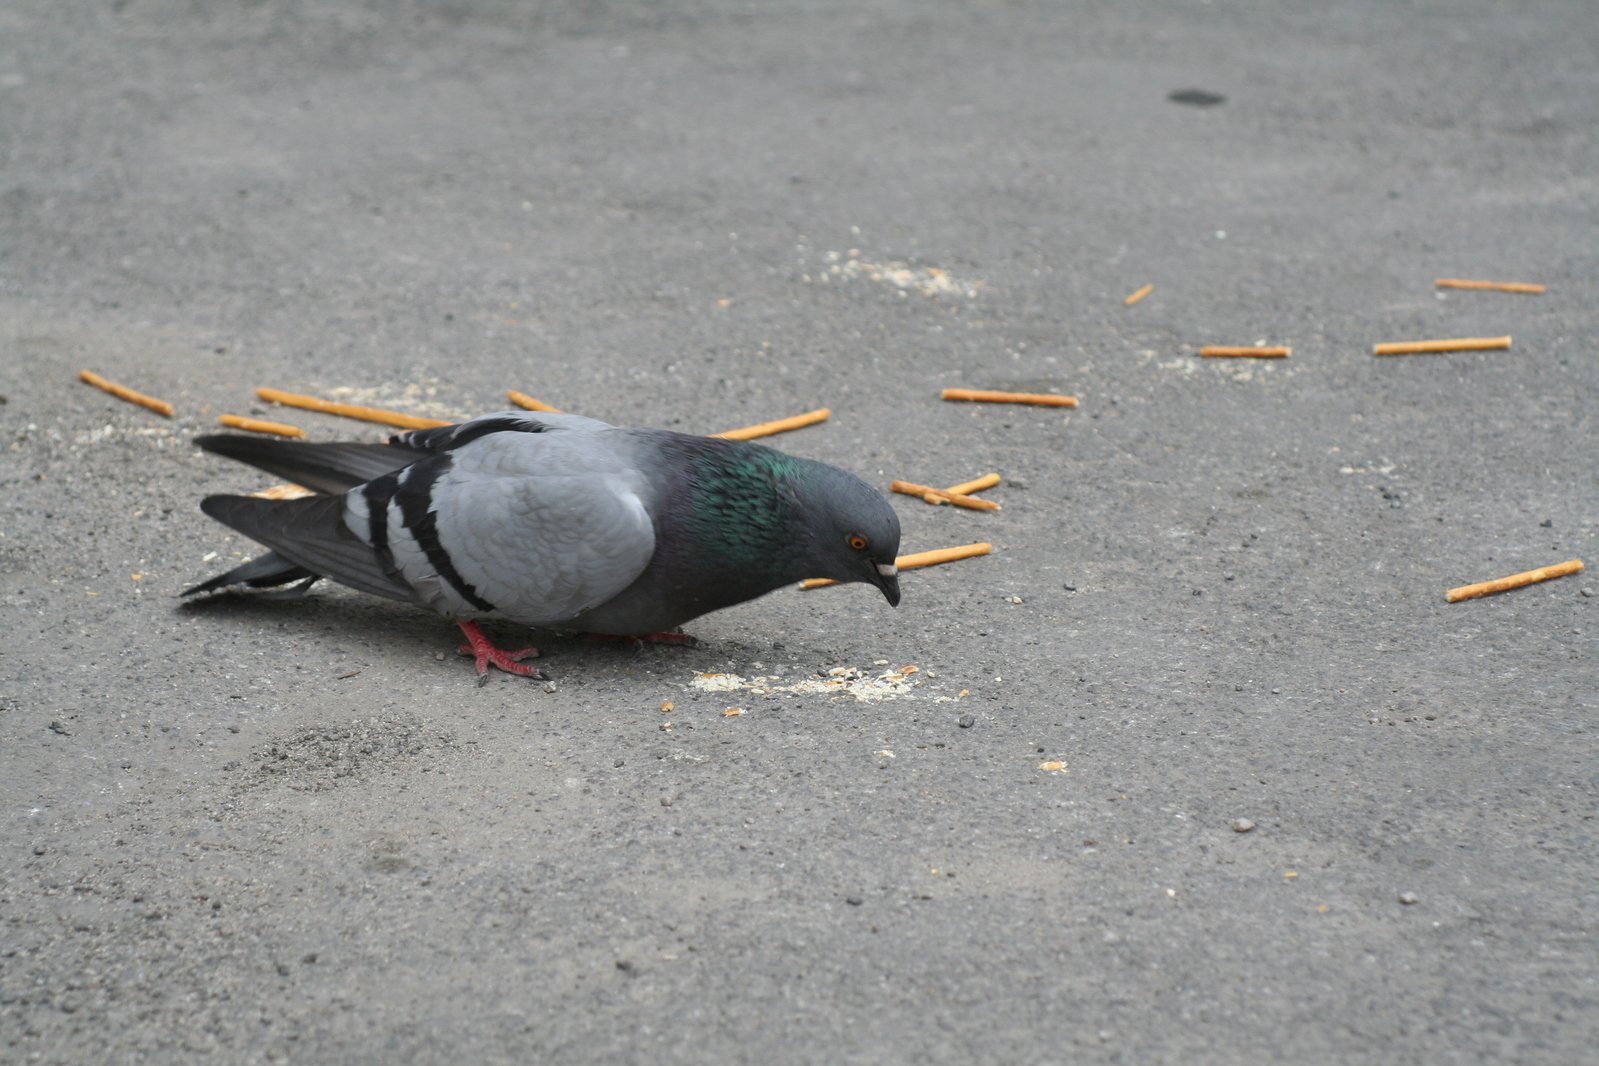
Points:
x=480 y=648
x=667 y=636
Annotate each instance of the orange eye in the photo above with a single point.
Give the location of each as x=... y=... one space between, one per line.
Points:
x=858 y=542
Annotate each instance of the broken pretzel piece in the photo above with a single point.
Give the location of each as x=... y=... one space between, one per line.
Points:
x=256 y=425
x=1040 y=399
x=1514 y=581
x=1491 y=286
x=349 y=410
x=1459 y=344
x=780 y=425
x=528 y=403
x=918 y=559
x=910 y=488
x=1222 y=351
x=122 y=392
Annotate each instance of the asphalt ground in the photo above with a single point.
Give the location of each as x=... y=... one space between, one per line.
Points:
x=263 y=830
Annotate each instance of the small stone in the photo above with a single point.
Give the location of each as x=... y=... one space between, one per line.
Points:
x=625 y=965
x=1408 y=898
x=1242 y=825
x=58 y=728
x=39 y=849
x=1587 y=591
x=853 y=901
x=966 y=721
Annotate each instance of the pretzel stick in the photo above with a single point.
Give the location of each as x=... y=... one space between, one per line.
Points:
x=977 y=484
x=1042 y=399
x=1461 y=344
x=256 y=425
x=987 y=481
x=349 y=410
x=528 y=403
x=283 y=492
x=1139 y=295
x=781 y=425
x=910 y=488
x=122 y=392
x=1514 y=581
x=1493 y=286
x=919 y=559
x=1214 y=351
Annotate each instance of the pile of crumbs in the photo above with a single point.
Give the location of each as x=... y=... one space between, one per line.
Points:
x=161 y=436
x=929 y=281
x=837 y=682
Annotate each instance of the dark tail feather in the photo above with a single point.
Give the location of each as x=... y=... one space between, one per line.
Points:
x=307 y=535
x=264 y=571
x=329 y=468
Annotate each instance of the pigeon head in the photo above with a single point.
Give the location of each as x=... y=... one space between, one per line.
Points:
x=848 y=531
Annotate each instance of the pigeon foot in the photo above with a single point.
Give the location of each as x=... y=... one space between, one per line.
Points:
x=483 y=650
x=665 y=636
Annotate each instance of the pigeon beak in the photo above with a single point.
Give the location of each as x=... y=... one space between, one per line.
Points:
x=888 y=581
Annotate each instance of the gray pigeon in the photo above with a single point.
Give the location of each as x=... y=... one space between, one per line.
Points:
x=556 y=521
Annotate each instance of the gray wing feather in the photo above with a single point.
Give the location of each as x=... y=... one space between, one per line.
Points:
x=328 y=468
x=309 y=533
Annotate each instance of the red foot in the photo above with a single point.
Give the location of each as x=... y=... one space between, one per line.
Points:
x=669 y=636
x=483 y=650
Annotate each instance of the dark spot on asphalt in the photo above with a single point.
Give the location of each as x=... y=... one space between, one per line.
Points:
x=1195 y=97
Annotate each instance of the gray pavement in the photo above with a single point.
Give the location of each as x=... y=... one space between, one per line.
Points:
x=296 y=831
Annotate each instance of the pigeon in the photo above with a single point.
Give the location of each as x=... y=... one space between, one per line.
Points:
x=555 y=521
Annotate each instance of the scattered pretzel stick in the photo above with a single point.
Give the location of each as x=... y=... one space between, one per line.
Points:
x=528 y=403
x=349 y=410
x=1514 y=581
x=1139 y=295
x=919 y=559
x=283 y=492
x=122 y=392
x=256 y=425
x=1221 y=351
x=781 y=425
x=910 y=488
x=1459 y=344
x=1041 y=399
x=1491 y=286
x=976 y=484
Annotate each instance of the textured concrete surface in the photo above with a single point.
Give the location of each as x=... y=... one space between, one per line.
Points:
x=296 y=831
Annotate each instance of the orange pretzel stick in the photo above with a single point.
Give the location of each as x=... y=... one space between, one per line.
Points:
x=349 y=410
x=911 y=562
x=122 y=392
x=1492 y=286
x=1042 y=399
x=283 y=492
x=1221 y=351
x=1514 y=581
x=528 y=403
x=977 y=484
x=781 y=425
x=1139 y=295
x=1459 y=344
x=256 y=425
x=910 y=488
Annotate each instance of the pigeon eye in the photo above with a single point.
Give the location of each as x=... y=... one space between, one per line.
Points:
x=858 y=542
